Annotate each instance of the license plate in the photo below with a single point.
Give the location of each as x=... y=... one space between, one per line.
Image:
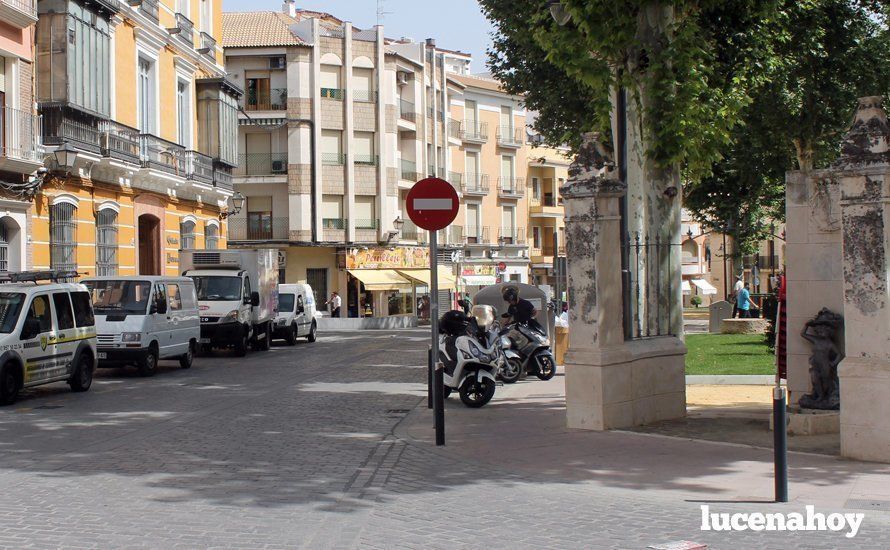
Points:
x=205 y=340
x=102 y=355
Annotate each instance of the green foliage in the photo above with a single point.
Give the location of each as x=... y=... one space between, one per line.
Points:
x=728 y=354
x=695 y=300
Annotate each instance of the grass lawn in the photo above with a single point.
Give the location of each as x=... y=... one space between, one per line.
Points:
x=728 y=354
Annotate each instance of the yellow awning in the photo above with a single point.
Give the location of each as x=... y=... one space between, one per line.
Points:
x=422 y=276
x=381 y=279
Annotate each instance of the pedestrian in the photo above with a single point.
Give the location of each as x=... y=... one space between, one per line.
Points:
x=739 y=285
x=335 y=302
x=467 y=299
x=744 y=303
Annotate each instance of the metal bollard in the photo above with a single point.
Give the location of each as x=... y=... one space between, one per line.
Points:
x=439 y=400
x=429 y=378
x=780 y=444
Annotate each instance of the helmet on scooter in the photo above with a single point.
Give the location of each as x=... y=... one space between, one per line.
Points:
x=454 y=322
x=510 y=293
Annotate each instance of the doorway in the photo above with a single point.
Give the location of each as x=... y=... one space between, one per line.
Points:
x=149 y=245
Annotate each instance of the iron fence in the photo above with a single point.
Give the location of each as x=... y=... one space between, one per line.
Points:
x=649 y=286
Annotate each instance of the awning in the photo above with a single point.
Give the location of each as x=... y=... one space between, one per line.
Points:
x=687 y=288
x=422 y=277
x=381 y=279
x=705 y=287
x=479 y=280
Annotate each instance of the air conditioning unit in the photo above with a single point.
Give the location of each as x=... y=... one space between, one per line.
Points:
x=276 y=63
x=279 y=166
x=401 y=78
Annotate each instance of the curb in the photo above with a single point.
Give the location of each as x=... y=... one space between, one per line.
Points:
x=731 y=379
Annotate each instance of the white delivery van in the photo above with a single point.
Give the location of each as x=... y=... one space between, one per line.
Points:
x=142 y=319
x=296 y=313
x=237 y=296
x=47 y=334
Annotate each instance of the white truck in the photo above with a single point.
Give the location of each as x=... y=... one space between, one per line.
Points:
x=237 y=296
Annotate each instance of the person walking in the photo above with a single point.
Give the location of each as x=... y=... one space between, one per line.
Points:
x=335 y=302
x=744 y=303
x=739 y=285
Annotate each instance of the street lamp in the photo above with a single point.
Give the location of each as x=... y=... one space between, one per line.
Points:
x=66 y=156
x=237 y=201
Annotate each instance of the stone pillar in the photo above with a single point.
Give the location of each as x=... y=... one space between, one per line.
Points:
x=610 y=382
x=865 y=213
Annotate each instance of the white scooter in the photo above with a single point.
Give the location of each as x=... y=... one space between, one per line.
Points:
x=472 y=353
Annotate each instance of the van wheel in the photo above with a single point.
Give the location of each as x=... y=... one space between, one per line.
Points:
x=291 y=336
x=185 y=361
x=82 y=377
x=241 y=346
x=264 y=342
x=313 y=333
x=9 y=384
x=148 y=365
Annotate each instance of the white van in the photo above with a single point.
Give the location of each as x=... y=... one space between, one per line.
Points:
x=296 y=313
x=47 y=334
x=142 y=319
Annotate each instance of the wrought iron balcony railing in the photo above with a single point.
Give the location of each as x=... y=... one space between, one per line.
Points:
x=333 y=159
x=511 y=235
x=361 y=159
x=511 y=187
x=148 y=8
x=198 y=167
x=473 y=130
x=208 y=45
x=160 y=154
x=477 y=235
x=475 y=184
x=510 y=136
x=333 y=93
x=408 y=169
x=333 y=223
x=21 y=135
x=407 y=111
x=261 y=164
x=274 y=99
x=258 y=229
x=184 y=28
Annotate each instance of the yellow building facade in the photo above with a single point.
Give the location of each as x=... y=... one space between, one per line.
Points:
x=548 y=170
x=136 y=95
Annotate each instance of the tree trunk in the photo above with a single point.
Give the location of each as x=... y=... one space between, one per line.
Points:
x=803 y=148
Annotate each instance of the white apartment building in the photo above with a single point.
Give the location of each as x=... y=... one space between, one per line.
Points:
x=337 y=124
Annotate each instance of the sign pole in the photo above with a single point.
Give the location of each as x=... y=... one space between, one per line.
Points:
x=438 y=381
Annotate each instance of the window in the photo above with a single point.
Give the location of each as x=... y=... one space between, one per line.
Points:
x=508 y=225
x=259 y=218
x=207 y=16
x=507 y=119
x=364 y=148
x=332 y=147
x=4 y=248
x=182 y=6
x=365 y=218
x=64 y=316
x=174 y=298
x=160 y=297
x=332 y=212
x=211 y=237
x=187 y=235
x=472 y=164
x=39 y=310
x=259 y=94
x=10 y=307
x=330 y=82
x=507 y=172
x=363 y=80
x=83 y=309
x=536 y=237
x=147 y=96
x=184 y=114
x=106 y=242
x=470 y=110
x=536 y=188
x=318 y=280
x=63 y=245
x=474 y=232
x=246 y=292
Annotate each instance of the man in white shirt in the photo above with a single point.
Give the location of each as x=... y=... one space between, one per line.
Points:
x=335 y=302
x=739 y=285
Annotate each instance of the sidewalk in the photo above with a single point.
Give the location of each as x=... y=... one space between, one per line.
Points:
x=523 y=431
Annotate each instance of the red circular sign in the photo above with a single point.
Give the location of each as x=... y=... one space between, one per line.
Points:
x=432 y=204
x=502 y=266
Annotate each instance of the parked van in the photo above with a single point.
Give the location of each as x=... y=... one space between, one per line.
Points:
x=47 y=334
x=143 y=319
x=296 y=313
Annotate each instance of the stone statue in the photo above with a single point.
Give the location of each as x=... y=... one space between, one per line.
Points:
x=822 y=332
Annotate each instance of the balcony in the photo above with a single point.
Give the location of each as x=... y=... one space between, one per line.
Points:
x=333 y=159
x=266 y=100
x=19 y=13
x=432 y=172
x=511 y=236
x=184 y=29
x=408 y=171
x=454 y=129
x=63 y=124
x=120 y=142
x=511 y=188
x=148 y=8
x=510 y=136
x=333 y=223
x=198 y=167
x=406 y=111
x=159 y=154
x=453 y=236
x=222 y=176
x=411 y=232
x=20 y=141
x=364 y=159
x=439 y=115
x=367 y=224
x=474 y=131
x=476 y=235
x=208 y=45
x=545 y=207
x=475 y=184
x=338 y=94
x=261 y=164
x=258 y=229
x=364 y=96
x=456 y=180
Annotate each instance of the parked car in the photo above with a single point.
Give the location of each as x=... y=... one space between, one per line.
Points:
x=47 y=334
x=143 y=319
x=296 y=313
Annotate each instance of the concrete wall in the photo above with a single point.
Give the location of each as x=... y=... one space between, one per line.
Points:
x=814 y=264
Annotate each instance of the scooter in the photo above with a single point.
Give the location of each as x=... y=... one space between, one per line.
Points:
x=533 y=347
x=472 y=354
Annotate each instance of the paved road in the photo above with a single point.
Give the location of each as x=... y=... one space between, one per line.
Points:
x=296 y=448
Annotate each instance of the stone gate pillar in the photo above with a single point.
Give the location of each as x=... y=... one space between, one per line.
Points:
x=610 y=382
x=865 y=213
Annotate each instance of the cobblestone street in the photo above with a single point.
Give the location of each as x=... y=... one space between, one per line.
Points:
x=300 y=447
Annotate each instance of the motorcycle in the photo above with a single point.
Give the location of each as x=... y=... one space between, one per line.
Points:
x=533 y=347
x=472 y=354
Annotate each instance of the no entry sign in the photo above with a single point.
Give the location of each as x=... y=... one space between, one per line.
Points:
x=432 y=204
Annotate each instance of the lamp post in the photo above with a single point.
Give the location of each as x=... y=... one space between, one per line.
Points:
x=237 y=202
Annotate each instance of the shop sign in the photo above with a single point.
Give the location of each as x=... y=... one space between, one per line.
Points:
x=172 y=258
x=172 y=240
x=478 y=270
x=384 y=258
